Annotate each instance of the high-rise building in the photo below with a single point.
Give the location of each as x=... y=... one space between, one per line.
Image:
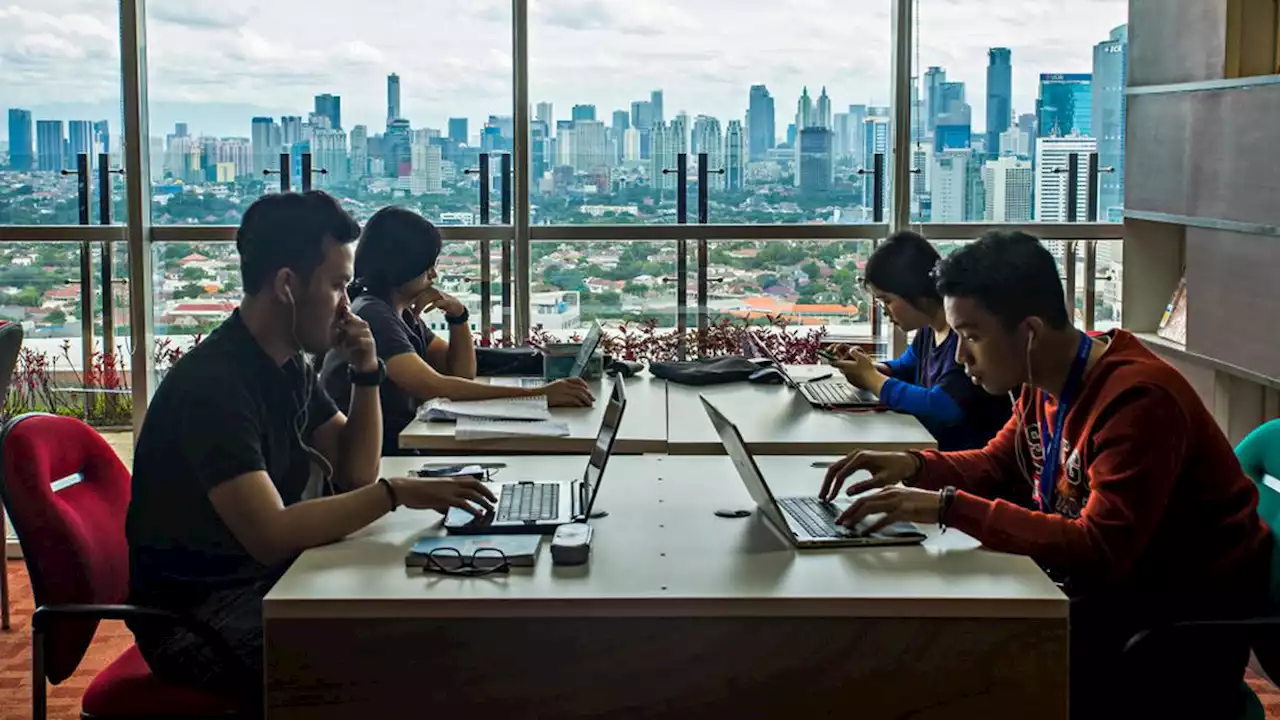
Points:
x=264 y=140
x=1110 y=62
x=948 y=186
x=1009 y=184
x=950 y=99
x=425 y=171
x=291 y=130
x=815 y=172
x=662 y=157
x=760 y=123
x=708 y=138
x=583 y=112
x=330 y=106
x=458 y=130
x=1016 y=142
x=655 y=100
x=180 y=130
x=642 y=120
x=102 y=137
x=359 y=152
x=999 y=95
x=393 y=98
x=1052 y=177
x=679 y=130
x=621 y=121
x=734 y=156
x=822 y=116
x=50 y=146
x=591 y=153
x=804 y=111
x=617 y=133
x=329 y=152
x=934 y=77
x=539 y=150
x=80 y=140
x=21 y=139
x=858 y=139
x=397 y=149
x=545 y=113
x=841 y=137
x=1065 y=105
x=631 y=145
x=876 y=141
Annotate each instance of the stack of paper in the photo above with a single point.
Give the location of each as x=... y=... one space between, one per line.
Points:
x=471 y=428
x=533 y=407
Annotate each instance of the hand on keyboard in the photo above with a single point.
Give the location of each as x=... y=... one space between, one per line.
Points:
x=898 y=504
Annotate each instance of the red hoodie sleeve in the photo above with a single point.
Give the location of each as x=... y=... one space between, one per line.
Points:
x=981 y=472
x=1139 y=440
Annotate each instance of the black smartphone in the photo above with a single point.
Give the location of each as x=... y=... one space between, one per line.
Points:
x=827 y=355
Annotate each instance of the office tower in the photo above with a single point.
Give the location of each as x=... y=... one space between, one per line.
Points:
x=734 y=157
x=590 y=152
x=999 y=95
x=180 y=130
x=1009 y=184
x=80 y=140
x=545 y=113
x=329 y=152
x=1016 y=142
x=1065 y=105
x=425 y=168
x=458 y=130
x=876 y=142
x=662 y=157
x=922 y=158
x=330 y=106
x=950 y=98
x=563 y=143
x=822 y=116
x=1027 y=124
x=631 y=145
x=954 y=129
x=679 y=132
x=760 y=123
x=655 y=100
x=266 y=149
x=291 y=130
x=393 y=98
x=583 y=112
x=396 y=147
x=1052 y=193
x=791 y=135
x=102 y=136
x=804 y=111
x=50 y=144
x=539 y=150
x=621 y=121
x=934 y=77
x=956 y=189
x=1110 y=61
x=641 y=114
x=708 y=138
x=841 y=137
x=21 y=139
x=857 y=138
x=815 y=171
x=359 y=152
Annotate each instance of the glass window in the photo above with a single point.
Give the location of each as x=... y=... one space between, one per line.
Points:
x=60 y=94
x=787 y=105
x=574 y=283
x=1002 y=102
x=392 y=102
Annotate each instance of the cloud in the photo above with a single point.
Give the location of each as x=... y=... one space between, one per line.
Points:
x=205 y=14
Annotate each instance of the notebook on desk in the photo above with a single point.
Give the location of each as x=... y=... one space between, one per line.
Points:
x=533 y=407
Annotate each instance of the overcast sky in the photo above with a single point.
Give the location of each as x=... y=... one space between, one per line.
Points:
x=214 y=63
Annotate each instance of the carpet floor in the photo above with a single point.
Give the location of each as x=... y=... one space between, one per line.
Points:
x=114 y=638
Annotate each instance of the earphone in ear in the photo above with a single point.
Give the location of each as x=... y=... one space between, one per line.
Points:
x=288 y=294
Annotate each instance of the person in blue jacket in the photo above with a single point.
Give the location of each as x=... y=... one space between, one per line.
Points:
x=925 y=381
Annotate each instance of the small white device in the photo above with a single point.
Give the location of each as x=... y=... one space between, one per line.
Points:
x=571 y=544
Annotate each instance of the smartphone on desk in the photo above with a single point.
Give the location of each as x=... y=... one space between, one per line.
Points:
x=827 y=355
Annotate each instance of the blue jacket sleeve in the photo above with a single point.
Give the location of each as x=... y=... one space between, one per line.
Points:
x=934 y=405
x=904 y=368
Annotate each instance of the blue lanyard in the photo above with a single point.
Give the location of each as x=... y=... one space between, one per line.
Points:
x=1051 y=445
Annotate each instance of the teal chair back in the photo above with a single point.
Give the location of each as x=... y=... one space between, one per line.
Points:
x=1259 y=454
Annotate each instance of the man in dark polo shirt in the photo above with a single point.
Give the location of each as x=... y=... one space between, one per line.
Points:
x=244 y=461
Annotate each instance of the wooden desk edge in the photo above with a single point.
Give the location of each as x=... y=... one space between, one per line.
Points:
x=1042 y=608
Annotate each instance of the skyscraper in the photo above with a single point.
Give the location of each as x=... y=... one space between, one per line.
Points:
x=329 y=148
x=546 y=113
x=458 y=130
x=934 y=77
x=330 y=106
x=708 y=138
x=760 y=123
x=539 y=150
x=102 y=136
x=662 y=157
x=393 y=98
x=642 y=120
x=80 y=140
x=359 y=152
x=1053 y=154
x=875 y=142
x=1110 y=60
x=841 y=137
x=1009 y=183
x=21 y=139
x=858 y=140
x=822 y=118
x=734 y=156
x=621 y=121
x=815 y=172
x=948 y=186
x=1065 y=105
x=583 y=112
x=265 y=146
x=999 y=95
x=804 y=111
x=50 y=144
x=655 y=99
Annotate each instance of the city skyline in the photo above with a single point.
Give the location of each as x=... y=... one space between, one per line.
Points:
x=603 y=53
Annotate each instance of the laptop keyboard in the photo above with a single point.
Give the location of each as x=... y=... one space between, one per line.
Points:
x=833 y=393
x=529 y=501
x=816 y=516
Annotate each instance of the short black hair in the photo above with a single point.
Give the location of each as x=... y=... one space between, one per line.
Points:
x=287 y=230
x=904 y=265
x=397 y=245
x=1011 y=274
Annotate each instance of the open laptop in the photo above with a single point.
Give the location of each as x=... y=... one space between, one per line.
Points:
x=834 y=394
x=808 y=522
x=588 y=348
x=541 y=507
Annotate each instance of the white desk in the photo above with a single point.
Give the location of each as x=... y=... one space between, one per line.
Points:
x=940 y=630
x=644 y=426
x=776 y=420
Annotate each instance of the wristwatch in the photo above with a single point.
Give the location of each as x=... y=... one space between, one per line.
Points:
x=373 y=378
x=458 y=319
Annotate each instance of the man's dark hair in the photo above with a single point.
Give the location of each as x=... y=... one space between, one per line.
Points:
x=287 y=230
x=1011 y=274
x=397 y=245
x=903 y=265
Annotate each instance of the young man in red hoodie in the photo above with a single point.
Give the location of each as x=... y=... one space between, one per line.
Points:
x=1122 y=487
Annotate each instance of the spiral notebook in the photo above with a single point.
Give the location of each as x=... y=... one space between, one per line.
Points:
x=474 y=428
x=533 y=407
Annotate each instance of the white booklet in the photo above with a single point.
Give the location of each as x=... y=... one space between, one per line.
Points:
x=533 y=407
x=472 y=428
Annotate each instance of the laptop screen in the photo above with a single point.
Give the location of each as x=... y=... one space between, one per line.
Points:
x=603 y=447
x=585 y=351
x=746 y=466
x=758 y=345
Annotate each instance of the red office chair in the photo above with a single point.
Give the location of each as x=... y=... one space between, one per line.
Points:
x=74 y=545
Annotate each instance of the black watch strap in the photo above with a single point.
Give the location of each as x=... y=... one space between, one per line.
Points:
x=373 y=378
x=458 y=319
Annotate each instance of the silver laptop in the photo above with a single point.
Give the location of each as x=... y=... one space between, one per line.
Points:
x=541 y=507
x=832 y=394
x=588 y=348
x=807 y=522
